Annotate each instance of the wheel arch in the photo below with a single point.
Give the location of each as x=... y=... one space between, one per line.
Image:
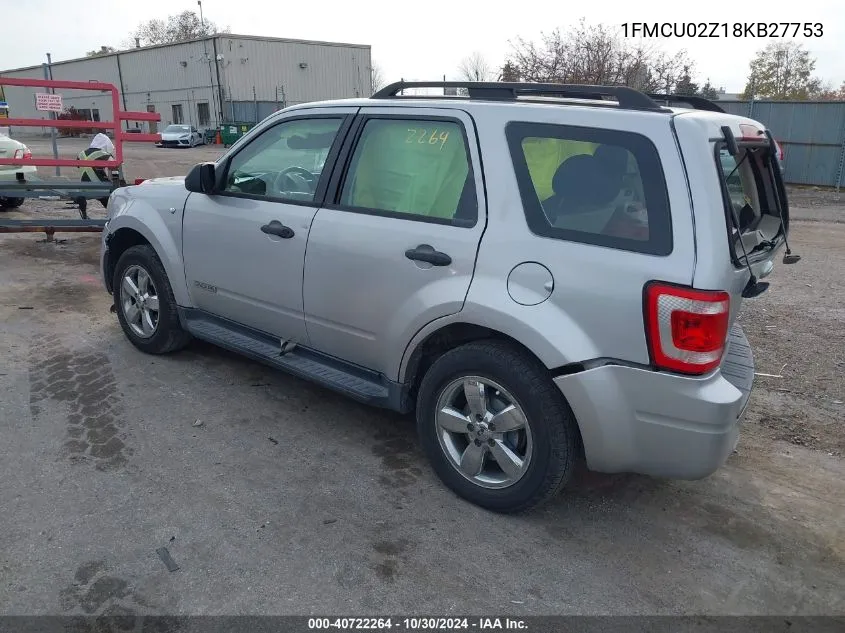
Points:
x=118 y=242
x=130 y=230
x=422 y=352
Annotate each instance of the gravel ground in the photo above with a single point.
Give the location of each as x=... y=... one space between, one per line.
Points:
x=288 y=499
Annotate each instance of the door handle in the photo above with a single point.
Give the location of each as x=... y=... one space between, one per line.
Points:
x=277 y=228
x=426 y=253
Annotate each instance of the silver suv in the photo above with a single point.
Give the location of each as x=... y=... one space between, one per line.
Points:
x=539 y=272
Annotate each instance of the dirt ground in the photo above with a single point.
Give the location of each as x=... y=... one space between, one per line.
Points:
x=288 y=499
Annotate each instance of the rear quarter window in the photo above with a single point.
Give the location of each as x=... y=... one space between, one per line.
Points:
x=600 y=187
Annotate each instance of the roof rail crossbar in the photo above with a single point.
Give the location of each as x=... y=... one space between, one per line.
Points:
x=628 y=98
x=698 y=103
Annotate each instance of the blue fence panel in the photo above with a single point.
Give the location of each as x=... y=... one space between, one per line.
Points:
x=811 y=133
x=250 y=111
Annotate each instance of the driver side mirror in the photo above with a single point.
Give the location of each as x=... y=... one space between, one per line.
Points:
x=201 y=179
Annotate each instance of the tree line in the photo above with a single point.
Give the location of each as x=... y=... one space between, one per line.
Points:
x=584 y=53
x=595 y=54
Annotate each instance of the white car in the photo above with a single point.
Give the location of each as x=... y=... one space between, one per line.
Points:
x=10 y=148
x=179 y=135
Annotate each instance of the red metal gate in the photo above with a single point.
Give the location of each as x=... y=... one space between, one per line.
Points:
x=119 y=135
x=66 y=188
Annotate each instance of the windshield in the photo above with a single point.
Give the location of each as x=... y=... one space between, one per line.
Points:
x=175 y=129
x=752 y=199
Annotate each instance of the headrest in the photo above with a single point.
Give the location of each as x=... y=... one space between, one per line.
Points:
x=584 y=182
x=613 y=159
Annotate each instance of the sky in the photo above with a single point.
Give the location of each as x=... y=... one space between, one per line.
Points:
x=426 y=40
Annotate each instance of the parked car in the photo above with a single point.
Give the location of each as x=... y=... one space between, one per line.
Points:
x=10 y=148
x=181 y=136
x=536 y=273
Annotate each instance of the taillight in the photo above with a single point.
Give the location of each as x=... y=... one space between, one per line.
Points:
x=686 y=329
x=23 y=153
x=138 y=181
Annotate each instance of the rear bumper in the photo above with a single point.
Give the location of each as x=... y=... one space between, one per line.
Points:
x=8 y=173
x=654 y=423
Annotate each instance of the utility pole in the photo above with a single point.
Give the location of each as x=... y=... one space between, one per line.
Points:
x=48 y=74
x=208 y=61
x=751 y=101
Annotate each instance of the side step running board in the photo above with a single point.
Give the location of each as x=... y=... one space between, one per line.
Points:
x=356 y=382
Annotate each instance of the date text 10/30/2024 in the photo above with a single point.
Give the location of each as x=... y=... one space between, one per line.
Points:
x=723 y=29
x=418 y=624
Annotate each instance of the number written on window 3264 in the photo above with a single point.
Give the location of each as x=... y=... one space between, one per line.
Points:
x=430 y=137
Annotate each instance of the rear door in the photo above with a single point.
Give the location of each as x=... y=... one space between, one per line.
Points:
x=739 y=201
x=396 y=247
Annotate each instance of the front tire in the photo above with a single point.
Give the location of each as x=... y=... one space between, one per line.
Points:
x=495 y=427
x=146 y=308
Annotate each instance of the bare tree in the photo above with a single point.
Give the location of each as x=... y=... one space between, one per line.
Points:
x=828 y=93
x=475 y=68
x=596 y=54
x=376 y=78
x=103 y=50
x=176 y=28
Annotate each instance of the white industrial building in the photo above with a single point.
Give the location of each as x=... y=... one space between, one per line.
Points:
x=206 y=81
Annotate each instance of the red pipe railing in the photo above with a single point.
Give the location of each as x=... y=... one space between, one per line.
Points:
x=119 y=116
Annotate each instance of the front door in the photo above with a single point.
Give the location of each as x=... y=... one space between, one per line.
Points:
x=244 y=247
x=394 y=247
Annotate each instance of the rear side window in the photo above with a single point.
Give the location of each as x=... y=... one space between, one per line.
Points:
x=602 y=187
x=417 y=169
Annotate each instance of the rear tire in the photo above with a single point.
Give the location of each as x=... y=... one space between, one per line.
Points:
x=538 y=456
x=145 y=306
x=7 y=204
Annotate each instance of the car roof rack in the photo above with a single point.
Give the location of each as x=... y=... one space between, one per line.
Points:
x=628 y=98
x=698 y=103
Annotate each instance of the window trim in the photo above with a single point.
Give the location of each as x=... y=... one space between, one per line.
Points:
x=535 y=217
x=343 y=165
x=328 y=167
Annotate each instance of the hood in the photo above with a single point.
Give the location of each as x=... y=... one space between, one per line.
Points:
x=165 y=180
x=174 y=136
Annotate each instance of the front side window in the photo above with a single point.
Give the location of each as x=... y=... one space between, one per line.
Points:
x=417 y=169
x=595 y=186
x=285 y=161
